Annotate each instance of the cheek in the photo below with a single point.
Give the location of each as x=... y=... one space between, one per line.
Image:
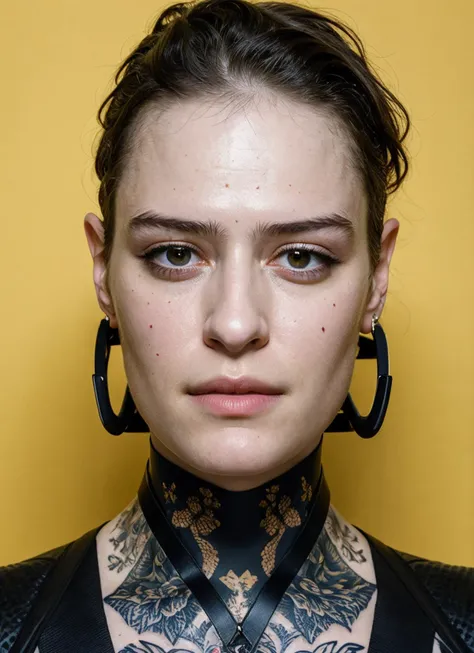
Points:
x=156 y=328
x=323 y=333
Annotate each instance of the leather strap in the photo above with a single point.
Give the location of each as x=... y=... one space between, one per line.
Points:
x=423 y=619
x=79 y=624
x=398 y=624
x=257 y=618
x=51 y=592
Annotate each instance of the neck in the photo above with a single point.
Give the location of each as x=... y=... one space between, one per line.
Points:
x=235 y=482
x=237 y=538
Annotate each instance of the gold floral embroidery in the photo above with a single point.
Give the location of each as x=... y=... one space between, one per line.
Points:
x=200 y=520
x=240 y=587
x=307 y=490
x=168 y=493
x=278 y=517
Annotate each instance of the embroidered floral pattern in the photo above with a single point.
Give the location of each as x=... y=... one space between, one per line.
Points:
x=169 y=493
x=240 y=586
x=279 y=515
x=307 y=490
x=199 y=518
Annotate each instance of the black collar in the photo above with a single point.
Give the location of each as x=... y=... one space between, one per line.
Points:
x=198 y=516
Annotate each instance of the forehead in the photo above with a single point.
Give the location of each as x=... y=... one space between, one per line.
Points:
x=264 y=160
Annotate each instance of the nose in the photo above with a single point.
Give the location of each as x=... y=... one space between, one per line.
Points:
x=236 y=319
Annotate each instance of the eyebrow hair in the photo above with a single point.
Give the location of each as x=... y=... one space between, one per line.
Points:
x=149 y=220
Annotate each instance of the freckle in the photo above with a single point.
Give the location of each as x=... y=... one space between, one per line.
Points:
x=151 y=326
x=289 y=185
x=258 y=187
x=169 y=301
x=174 y=188
x=148 y=303
x=323 y=329
x=227 y=185
x=236 y=222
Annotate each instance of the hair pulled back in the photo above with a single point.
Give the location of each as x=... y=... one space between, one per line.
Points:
x=237 y=49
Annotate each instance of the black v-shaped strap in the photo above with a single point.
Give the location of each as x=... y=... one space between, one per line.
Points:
x=68 y=614
x=406 y=615
x=257 y=618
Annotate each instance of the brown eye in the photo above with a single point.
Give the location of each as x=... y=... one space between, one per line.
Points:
x=177 y=255
x=304 y=263
x=299 y=258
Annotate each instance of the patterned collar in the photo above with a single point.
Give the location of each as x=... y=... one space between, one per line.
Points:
x=237 y=538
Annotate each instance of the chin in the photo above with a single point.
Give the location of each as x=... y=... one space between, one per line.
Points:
x=239 y=452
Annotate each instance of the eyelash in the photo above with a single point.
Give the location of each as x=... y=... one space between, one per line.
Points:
x=306 y=275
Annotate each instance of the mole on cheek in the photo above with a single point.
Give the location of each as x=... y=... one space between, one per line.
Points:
x=151 y=326
x=323 y=329
x=258 y=187
x=334 y=305
x=157 y=354
x=227 y=185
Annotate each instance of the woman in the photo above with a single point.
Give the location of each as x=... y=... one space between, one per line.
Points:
x=245 y=161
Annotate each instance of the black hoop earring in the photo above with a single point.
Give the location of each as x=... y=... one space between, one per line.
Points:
x=129 y=419
x=350 y=419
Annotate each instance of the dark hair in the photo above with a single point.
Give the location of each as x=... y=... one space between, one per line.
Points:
x=236 y=49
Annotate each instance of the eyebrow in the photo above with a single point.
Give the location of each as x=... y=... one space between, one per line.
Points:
x=150 y=220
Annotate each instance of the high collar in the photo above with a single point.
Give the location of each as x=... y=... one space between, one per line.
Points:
x=237 y=538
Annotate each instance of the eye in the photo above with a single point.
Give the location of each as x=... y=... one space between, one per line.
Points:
x=172 y=255
x=305 y=262
x=300 y=258
x=172 y=260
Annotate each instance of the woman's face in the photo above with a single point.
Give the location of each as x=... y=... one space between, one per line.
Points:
x=268 y=277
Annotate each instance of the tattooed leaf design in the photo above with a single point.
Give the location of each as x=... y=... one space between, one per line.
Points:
x=326 y=591
x=345 y=537
x=149 y=647
x=129 y=536
x=144 y=647
x=285 y=636
x=331 y=647
x=153 y=598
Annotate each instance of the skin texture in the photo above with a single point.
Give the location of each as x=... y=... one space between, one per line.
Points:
x=241 y=306
x=337 y=578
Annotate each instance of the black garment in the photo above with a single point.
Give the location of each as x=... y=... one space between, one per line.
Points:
x=236 y=535
x=55 y=599
x=83 y=630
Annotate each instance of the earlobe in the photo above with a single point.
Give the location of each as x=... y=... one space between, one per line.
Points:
x=380 y=278
x=94 y=231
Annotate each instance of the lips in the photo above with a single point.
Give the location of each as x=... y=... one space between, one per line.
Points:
x=238 y=386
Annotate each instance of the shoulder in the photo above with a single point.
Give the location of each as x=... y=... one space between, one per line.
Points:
x=19 y=586
x=452 y=588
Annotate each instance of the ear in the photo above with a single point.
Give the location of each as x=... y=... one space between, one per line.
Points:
x=94 y=229
x=378 y=291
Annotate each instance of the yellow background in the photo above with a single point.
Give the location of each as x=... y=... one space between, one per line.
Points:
x=61 y=473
